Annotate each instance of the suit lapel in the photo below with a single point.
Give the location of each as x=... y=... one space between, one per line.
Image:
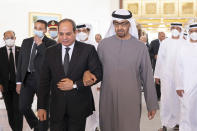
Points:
x=16 y=54
x=75 y=56
x=5 y=55
x=28 y=52
x=29 y=48
x=59 y=60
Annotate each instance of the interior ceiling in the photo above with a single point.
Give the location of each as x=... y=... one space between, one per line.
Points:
x=154 y=14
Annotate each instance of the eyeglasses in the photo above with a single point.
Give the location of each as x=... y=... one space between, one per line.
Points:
x=123 y=24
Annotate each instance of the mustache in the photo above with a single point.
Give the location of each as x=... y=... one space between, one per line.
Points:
x=120 y=30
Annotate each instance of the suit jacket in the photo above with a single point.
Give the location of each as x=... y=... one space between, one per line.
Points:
x=4 y=70
x=24 y=57
x=154 y=48
x=84 y=57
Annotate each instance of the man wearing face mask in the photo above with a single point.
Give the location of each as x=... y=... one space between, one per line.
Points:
x=83 y=32
x=28 y=72
x=185 y=35
x=165 y=73
x=84 y=35
x=186 y=84
x=53 y=29
x=9 y=56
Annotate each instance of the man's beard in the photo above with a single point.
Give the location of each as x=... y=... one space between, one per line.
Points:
x=121 y=33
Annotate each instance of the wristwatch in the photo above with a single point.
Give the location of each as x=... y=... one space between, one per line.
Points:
x=75 y=86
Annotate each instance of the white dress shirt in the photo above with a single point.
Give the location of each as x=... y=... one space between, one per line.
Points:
x=69 y=52
x=70 y=55
x=13 y=52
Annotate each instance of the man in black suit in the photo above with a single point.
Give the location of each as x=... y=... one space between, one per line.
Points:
x=28 y=71
x=154 y=48
x=9 y=56
x=71 y=101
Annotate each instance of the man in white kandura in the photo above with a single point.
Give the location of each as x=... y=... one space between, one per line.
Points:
x=85 y=34
x=164 y=73
x=186 y=68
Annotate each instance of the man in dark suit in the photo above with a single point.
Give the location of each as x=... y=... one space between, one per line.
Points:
x=71 y=101
x=9 y=56
x=28 y=72
x=154 y=48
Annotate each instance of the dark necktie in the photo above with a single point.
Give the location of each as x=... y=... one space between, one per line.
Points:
x=31 y=63
x=66 y=61
x=11 y=67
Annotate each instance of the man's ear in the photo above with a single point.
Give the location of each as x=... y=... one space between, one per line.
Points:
x=45 y=31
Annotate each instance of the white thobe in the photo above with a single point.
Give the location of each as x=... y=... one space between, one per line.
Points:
x=164 y=70
x=186 y=71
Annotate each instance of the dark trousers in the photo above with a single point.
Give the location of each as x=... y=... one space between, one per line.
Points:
x=28 y=90
x=15 y=118
x=72 y=117
x=158 y=90
x=68 y=124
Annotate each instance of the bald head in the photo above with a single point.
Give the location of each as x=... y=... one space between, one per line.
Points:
x=143 y=38
x=98 y=38
x=9 y=35
x=161 y=36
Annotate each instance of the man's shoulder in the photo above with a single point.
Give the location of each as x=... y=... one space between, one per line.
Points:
x=17 y=47
x=48 y=41
x=108 y=39
x=167 y=40
x=2 y=48
x=83 y=45
x=28 y=39
x=155 y=41
x=53 y=47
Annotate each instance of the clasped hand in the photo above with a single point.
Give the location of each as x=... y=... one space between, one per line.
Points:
x=65 y=84
x=89 y=78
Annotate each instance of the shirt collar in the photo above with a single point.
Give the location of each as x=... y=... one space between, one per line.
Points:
x=71 y=46
x=13 y=47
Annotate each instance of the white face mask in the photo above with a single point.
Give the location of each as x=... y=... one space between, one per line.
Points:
x=175 y=32
x=193 y=36
x=39 y=33
x=10 y=42
x=82 y=36
x=53 y=34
